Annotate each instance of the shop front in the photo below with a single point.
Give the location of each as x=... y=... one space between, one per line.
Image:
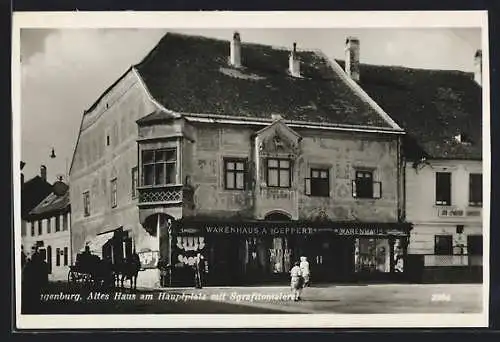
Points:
x=260 y=252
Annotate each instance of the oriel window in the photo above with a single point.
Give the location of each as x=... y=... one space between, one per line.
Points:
x=159 y=167
x=279 y=173
x=475 y=190
x=443 y=188
x=235 y=174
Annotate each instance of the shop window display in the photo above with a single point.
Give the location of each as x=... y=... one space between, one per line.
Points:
x=372 y=255
x=279 y=256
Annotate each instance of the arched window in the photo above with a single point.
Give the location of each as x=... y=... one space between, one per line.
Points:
x=277 y=216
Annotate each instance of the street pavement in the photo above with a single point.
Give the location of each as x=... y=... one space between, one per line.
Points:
x=354 y=299
x=357 y=299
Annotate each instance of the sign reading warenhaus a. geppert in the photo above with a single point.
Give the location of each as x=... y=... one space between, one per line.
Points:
x=264 y=228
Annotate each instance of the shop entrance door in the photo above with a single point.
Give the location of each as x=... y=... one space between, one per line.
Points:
x=331 y=259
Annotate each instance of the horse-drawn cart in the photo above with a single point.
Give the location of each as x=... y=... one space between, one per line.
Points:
x=90 y=270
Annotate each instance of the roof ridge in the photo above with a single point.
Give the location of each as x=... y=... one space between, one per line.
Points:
x=359 y=91
x=402 y=67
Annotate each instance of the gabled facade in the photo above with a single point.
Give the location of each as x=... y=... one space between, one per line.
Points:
x=441 y=112
x=247 y=154
x=33 y=192
x=48 y=231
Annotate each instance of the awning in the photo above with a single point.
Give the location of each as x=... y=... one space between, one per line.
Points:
x=98 y=242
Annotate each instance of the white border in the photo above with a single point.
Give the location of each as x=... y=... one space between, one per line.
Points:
x=413 y=19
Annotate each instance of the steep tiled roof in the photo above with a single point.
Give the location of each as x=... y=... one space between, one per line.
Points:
x=32 y=192
x=190 y=74
x=51 y=205
x=154 y=117
x=433 y=106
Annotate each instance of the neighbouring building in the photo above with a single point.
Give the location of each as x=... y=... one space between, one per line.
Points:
x=441 y=112
x=49 y=231
x=249 y=154
x=33 y=192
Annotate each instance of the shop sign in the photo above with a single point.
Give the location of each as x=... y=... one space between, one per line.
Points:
x=373 y=231
x=305 y=230
x=148 y=258
x=451 y=213
x=256 y=230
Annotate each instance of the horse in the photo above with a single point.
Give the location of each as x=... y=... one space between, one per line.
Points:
x=128 y=269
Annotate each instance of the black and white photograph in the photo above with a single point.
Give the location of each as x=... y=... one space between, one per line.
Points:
x=189 y=170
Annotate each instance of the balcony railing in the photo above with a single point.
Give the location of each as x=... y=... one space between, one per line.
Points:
x=160 y=194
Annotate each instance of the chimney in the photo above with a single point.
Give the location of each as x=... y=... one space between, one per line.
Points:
x=235 y=51
x=478 y=67
x=43 y=172
x=352 y=58
x=294 y=63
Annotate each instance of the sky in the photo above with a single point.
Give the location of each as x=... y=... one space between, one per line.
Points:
x=64 y=71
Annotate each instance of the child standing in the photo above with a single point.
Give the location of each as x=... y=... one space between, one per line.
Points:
x=304 y=269
x=295 y=281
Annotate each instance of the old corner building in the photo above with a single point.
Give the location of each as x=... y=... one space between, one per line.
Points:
x=248 y=154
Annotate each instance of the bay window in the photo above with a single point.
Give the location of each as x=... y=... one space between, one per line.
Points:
x=159 y=167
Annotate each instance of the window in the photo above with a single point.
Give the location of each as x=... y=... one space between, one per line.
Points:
x=40 y=227
x=58 y=257
x=48 y=226
x=58 y=223
x=107 y=140
x=114 y=197
x=279 y=173
x=32 y=228
x=49 y=258
x=159 y=167
x=65 y=256
x=86 y=203
x=65 y=221
x=135 y=181
x=234 y=171
x=443 y=245
x=364 y=186
x=475 y=190
x=443 y=188
x=319 y=183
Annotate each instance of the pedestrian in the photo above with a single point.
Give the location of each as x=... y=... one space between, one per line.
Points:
x=296 y=281
x=199 y=271
x=305 y=270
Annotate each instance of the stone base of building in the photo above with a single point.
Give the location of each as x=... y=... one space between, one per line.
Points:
x=453 y=274
x=149 y=278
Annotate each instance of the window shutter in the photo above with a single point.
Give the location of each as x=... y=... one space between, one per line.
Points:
x=307 y=186
x=250 y=175
x=354 y=194
x=377 y=189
